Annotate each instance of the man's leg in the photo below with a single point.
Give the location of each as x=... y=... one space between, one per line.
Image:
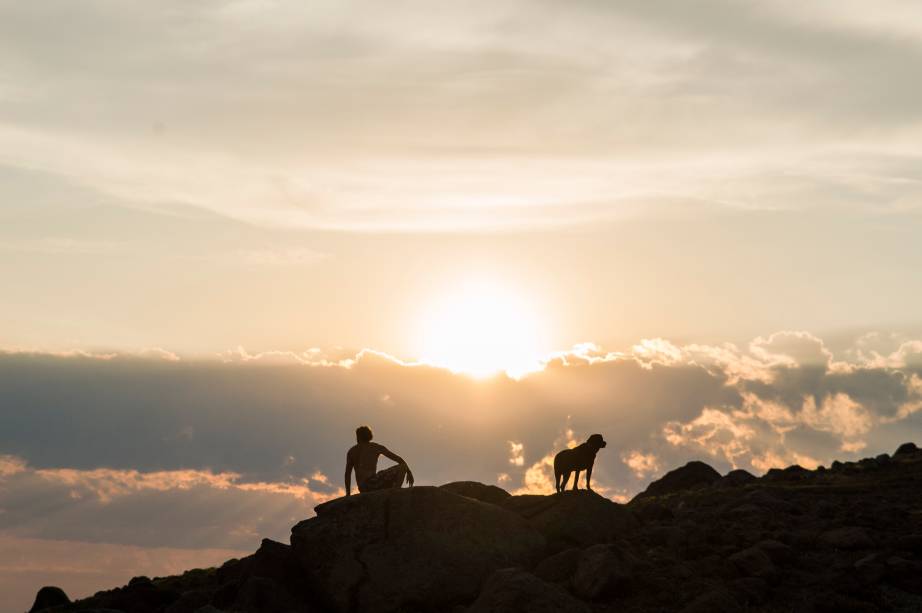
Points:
x=386 y=479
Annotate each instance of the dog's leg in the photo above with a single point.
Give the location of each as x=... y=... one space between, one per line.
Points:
x=576 y=481
x=589 y=477
x=566 y=479
x=557 y=476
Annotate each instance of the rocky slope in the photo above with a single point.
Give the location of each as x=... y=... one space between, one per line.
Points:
x=846 y=538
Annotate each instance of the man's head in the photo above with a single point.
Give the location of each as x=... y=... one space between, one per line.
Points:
x=363 y=434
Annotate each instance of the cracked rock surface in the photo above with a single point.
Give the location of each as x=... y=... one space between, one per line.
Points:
x=410 y=548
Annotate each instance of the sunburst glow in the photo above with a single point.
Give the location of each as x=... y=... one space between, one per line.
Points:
x=482 y=328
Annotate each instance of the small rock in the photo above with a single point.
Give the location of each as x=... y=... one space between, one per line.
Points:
x=905 y=449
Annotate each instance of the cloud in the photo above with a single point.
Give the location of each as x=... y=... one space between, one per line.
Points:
x=516 y=453
x=176 y=508
x=288 y=416
x=499 y=116
x=642 y=464
x=82 y=568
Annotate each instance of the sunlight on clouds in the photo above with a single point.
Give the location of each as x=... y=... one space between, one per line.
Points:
x=516 y=451
x=714 y=431
x=840 y=415
x=11 y=465
x=642 y=464
x=107 y=484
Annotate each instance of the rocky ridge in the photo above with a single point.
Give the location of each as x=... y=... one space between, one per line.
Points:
x=844 y=538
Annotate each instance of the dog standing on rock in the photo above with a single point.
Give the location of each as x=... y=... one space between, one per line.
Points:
x=581 y=457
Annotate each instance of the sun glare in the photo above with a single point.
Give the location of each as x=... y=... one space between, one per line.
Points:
x=482 y=329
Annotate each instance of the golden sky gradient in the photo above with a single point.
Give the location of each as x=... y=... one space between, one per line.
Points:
x=232 y=230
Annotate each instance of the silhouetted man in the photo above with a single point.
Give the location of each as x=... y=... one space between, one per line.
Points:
x=363 y=458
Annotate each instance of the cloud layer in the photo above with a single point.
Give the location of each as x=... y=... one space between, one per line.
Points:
x=103 y=449
x=352 y=115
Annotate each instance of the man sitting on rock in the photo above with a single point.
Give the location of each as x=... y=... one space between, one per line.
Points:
x=363 y=457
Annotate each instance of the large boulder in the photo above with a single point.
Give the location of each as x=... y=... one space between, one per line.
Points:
x=603 y=571
x=693 y=475
x=573 y=519
x=737 y=478
x=49 y=596
x=478 y=491
x=273 y=560
x=409 y=548
x=905 y=449
x=512 y=590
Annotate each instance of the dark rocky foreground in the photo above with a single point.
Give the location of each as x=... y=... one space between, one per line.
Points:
x=847 y=538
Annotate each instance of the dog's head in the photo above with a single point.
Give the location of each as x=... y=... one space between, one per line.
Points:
x=596 y=441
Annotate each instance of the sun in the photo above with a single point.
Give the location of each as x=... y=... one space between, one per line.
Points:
x=482 y=328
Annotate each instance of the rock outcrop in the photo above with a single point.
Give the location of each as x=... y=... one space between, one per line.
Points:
x=399 y=549
x=569 y=519
x=847 y=538
x=693 y=475
x=48 y=597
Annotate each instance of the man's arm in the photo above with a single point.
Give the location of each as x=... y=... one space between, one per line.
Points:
x=387 y=453
x=349 y=474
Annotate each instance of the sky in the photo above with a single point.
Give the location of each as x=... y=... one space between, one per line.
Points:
x=231 y=231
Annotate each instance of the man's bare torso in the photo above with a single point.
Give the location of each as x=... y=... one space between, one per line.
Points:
x=364 y=458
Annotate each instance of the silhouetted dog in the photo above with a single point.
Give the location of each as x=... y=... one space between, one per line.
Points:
x=581 y=457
